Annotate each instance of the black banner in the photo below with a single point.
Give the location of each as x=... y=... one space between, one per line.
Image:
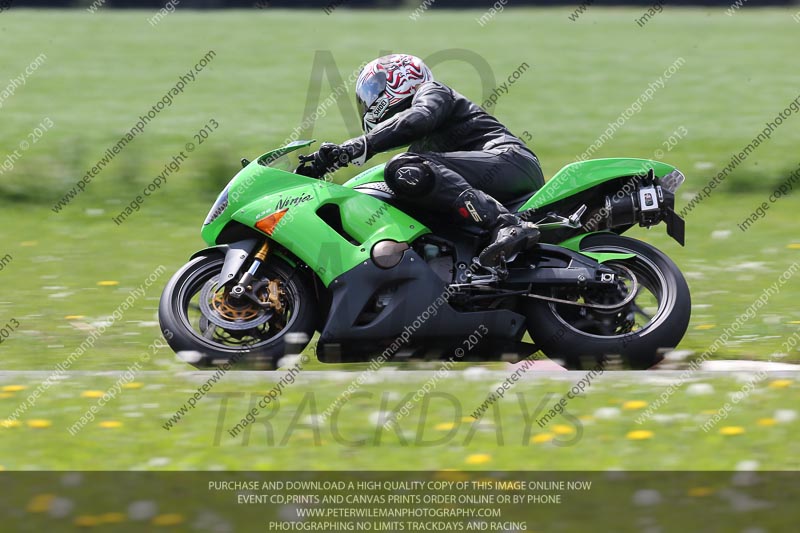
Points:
x=401 y=501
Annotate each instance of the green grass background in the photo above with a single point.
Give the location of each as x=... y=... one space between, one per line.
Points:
x=104 y=70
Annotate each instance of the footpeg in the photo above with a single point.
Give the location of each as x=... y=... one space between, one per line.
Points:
x=575 y=218
x=497 y=273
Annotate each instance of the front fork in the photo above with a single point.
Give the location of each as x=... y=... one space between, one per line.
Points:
x=239 y=289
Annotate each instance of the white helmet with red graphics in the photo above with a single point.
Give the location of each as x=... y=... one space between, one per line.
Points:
x=386 y=86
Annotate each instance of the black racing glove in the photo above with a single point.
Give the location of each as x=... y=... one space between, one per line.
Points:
x=330 y=157
x=357 y=150
x=333 y=156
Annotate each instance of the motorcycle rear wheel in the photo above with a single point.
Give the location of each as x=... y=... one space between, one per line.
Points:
x=640 y=332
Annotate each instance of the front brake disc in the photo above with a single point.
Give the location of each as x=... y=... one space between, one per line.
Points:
x=217 y=310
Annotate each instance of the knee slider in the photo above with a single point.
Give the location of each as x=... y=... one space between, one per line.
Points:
x=409 y=175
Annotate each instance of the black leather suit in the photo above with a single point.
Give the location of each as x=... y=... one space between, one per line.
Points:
x=457 y=153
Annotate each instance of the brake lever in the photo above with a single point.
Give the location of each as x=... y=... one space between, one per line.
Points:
x=305 y=170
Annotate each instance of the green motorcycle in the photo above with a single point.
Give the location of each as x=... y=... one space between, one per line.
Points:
x=293 y=254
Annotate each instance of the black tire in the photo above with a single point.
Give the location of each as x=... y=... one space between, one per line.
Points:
x=553 y=326
x=183 y=332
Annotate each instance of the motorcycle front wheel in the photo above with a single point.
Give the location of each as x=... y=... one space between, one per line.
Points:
x=207 y=327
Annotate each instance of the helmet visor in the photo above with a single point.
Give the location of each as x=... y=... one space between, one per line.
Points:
x=368 y=90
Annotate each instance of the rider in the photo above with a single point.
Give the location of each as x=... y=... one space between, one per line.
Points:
x=461 y=160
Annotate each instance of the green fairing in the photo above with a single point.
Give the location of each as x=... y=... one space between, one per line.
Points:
x=574 y=243
x=371 y=175
x=258 y=191
x=577 y=177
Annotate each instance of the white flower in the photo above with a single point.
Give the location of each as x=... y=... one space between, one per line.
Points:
x=747 y=466
x=315 y=420
x=289 y=360
x=474 y=373
x=785 y=415
x=677 y=355
x=699 y=389
x=606 y=413
x=377 y=418
x=189 y=356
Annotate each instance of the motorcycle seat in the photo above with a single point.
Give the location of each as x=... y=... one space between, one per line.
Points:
x=380 y=190
x=514 y=204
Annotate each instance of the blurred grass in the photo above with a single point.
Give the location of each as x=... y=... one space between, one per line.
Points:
x=104 y=70
x=101 y=74
x=52 y=283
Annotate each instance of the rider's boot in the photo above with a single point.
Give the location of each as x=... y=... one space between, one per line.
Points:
x=510 y=234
